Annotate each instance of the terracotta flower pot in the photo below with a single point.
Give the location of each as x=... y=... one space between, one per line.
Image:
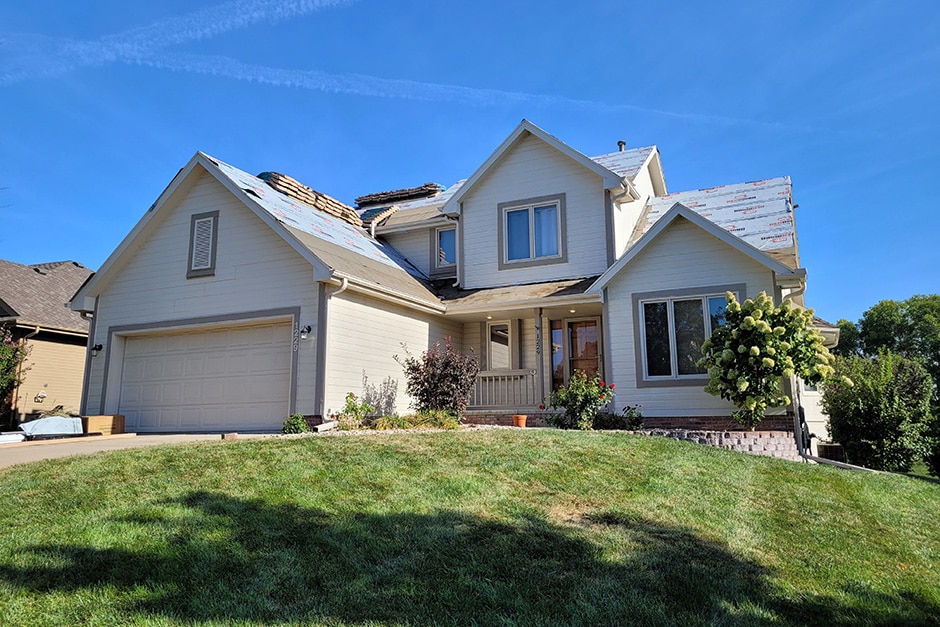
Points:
x=518 y=420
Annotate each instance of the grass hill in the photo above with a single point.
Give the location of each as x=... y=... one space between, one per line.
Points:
x=481 y=527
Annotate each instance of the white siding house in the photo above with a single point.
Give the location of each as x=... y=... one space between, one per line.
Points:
x=237 y=300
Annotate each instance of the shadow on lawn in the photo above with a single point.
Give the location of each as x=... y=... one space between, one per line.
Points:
x=214 y=557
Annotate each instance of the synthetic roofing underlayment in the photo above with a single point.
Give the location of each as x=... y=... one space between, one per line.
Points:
x=313 y=221
x=760 y=213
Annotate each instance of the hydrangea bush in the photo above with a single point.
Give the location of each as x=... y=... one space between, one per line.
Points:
x=756 y=346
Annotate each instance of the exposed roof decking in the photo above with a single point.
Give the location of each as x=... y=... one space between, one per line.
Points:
x=38 y=294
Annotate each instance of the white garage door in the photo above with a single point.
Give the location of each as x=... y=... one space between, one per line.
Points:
x=218 y=379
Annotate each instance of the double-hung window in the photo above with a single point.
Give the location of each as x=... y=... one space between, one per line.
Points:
x=532 y=231
x=672 y=331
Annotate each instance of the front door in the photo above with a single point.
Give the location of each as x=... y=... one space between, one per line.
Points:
x=576 y=345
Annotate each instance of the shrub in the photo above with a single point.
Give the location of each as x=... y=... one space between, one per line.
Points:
x=441 y=378
x=431 y=419
x=354 y=413
x=756 y=345
x=580 y=400
x=630 y=419
x=295 y=423
x=881 y=419
x=932 y=454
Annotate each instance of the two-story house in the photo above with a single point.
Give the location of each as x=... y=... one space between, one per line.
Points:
x=237 y=300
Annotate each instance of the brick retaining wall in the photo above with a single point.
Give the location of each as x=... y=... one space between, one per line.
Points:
x=699 y=423
x=779 y=444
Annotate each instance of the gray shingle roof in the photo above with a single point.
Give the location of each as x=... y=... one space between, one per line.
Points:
x=38 y=294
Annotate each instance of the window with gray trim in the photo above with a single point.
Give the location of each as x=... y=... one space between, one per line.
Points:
x=532 y=231
x=673 y=330
x=203 y=241
x=446 y=240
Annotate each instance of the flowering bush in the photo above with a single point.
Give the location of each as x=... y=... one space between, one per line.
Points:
x=12 y=355
x=441 y=378
x=756 y=346
x=580 y=399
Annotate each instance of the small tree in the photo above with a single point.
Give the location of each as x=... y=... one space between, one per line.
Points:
x=441 y=378
x=756 y=346
x=13 y=354
x=881 y=420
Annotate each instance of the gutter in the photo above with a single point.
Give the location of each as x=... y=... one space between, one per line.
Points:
x=586 y=298
x=384 y=293
x=798 y=435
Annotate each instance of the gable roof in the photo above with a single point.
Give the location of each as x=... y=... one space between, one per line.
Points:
x=625 y=163
x=39 y=294
x=679 y=211
x=334 y=247
x=758 y=212
x=611 y=179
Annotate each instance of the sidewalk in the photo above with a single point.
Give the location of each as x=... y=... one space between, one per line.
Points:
x=25 y=452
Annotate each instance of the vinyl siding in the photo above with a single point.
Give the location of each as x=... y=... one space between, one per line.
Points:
x=58 y=369
x=255 y=270
x=532 y=169
x=682 y=257
x=414 y=246
x=365 y=334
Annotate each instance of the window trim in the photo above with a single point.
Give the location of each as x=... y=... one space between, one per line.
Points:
x=210 y=270
x=438 y=268
x=529 y=204
x=639 y=331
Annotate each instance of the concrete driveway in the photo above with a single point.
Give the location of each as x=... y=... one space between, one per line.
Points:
x=25 y=452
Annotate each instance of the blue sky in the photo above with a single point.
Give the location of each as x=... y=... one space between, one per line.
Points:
x=101 y=102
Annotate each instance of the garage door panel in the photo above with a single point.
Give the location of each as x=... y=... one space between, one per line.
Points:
x=225 y=378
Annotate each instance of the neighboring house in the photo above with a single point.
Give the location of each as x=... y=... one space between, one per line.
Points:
x=237 y=300
x=34 y=301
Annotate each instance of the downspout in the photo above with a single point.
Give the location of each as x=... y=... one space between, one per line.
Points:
x=801 y=446
x=19 y=371
x=323 y=342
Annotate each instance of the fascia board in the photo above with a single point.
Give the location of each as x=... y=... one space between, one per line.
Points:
x=678 y=210
x=556 y=301
x=441 y=220
x=99 y=279
x=611 y=179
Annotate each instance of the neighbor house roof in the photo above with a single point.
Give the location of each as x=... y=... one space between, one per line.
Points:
x=759 y=212
x=38 y=295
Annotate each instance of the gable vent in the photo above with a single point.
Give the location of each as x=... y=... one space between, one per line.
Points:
x=202 y=244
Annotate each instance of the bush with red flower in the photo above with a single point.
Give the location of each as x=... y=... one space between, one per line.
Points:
x=580 y=400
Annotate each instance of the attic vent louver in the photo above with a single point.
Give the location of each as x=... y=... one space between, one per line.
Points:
x=202 y=244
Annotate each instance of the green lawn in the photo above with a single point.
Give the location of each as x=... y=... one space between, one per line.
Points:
x=473 y=527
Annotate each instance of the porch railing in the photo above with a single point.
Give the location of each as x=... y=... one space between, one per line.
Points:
x=505 y=388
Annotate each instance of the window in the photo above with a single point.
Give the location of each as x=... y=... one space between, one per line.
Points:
x=673 y=330
x=498 y=346
x=446 y=248
x=203 y=238
x=532 y=232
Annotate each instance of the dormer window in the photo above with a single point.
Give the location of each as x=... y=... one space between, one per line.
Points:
x=203 y=238
x=532 y=232
x=446 y=247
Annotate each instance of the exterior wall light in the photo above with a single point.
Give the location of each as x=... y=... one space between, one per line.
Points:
x=305 y=332
x=96 y=349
